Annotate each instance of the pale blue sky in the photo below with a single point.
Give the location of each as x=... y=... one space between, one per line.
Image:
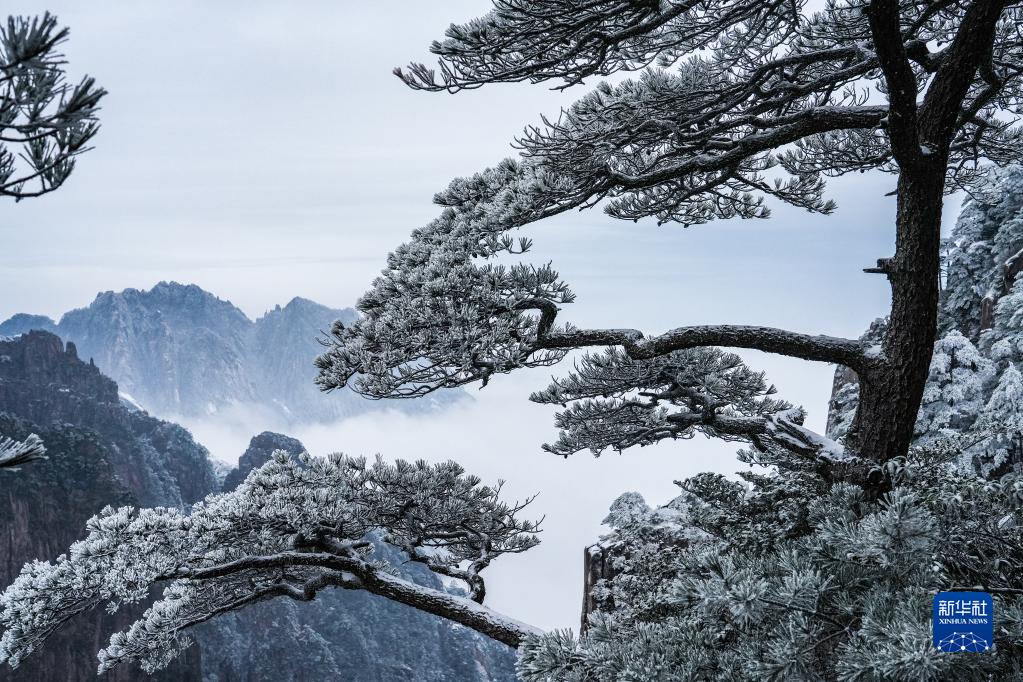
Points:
x=263 y=150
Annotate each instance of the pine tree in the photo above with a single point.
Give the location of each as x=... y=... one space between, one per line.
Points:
x=963 y=375
x=787 y=577
x=294 y=527
x=1002 y=417
x=748 y=102
x=818 y=565
x=45 y=123
x=982 y=253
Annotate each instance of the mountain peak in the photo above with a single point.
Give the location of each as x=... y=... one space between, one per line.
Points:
x=161 y=290
x=299 y=306
x=172 y=288
x=299 y=302
x=180 y=350
x=259 y=452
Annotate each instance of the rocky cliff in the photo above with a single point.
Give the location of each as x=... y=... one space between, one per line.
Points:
x=43 y=381
x=260 y=449
x=100 y=453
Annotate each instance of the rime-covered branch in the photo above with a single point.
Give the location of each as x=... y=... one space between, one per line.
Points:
x=438 y=318
x=846 y=352
x=613 y=400
x=293 y=528
x=555 y=39
x=14 y=453
x=45 y=122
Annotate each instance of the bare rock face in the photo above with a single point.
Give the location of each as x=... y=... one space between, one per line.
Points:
x=100 y=453
x=44 y=382
x=260 y=449
x=37 y=365
x=282 y=345
x=598 y=565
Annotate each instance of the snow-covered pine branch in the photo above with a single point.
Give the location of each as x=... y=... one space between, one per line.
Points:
x=14 y=453
x=748 y=101
x=293 y=528
x=45 y=122
x=614 y=401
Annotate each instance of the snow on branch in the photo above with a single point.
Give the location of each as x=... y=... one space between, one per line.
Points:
x=735 y=72
x=14 y=453
x=539 y=40
x=293 y=528
x=45 y=122
x=438 y=317
x=441 y=316
x=615 y=401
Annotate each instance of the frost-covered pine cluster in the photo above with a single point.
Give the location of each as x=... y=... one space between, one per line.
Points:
x=787 y=577
x=614 y=401
x=293 y=528
x=735 y=104
x=45 y=122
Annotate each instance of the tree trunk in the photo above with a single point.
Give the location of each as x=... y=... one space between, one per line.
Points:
x=891 y=391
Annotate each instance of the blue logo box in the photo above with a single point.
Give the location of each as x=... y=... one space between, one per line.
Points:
x=964 y=622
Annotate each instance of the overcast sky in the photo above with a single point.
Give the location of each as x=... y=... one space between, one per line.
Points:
x=263 y=150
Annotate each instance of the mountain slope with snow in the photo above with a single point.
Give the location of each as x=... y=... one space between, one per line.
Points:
x=180 y=351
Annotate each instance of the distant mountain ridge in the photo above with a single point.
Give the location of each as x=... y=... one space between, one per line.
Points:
x=180 y=351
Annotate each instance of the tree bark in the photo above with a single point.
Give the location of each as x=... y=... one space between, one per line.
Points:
x=891 y=391
x=458 y=609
